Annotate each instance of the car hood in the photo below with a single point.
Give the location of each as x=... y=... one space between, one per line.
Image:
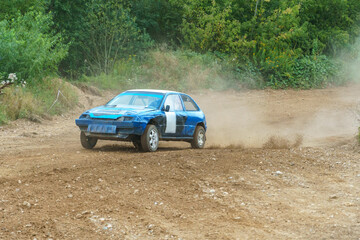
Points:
x=115 y=112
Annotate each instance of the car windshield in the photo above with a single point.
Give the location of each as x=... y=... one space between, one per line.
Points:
x=136 y=99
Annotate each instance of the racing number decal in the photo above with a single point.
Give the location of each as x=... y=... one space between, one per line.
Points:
x=170 y=122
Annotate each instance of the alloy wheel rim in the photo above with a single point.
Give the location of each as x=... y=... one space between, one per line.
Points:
x=153 y=138
x=200 y=139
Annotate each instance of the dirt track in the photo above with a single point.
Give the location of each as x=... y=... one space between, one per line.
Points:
x=279 y=165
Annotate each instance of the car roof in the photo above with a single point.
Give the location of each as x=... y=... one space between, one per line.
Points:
x=152 y=90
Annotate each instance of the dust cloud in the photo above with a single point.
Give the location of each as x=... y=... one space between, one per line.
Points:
x=351 y=62
x=281 y=119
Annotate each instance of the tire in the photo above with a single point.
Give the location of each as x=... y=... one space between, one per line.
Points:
x=87 y=142
x=150 y=139
x=199 y=138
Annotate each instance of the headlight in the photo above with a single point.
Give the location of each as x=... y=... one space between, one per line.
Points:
x=84 y=116
x=124 y=119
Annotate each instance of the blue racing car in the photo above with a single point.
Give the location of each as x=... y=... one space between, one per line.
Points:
x=144 y=117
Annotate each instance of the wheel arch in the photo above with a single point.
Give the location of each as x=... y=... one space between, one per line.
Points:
x=202 y=124
x=154 y=121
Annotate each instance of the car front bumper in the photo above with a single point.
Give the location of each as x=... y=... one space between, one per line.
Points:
x=121 y=130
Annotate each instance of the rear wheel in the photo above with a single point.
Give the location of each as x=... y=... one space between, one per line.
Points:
x=87 y=142
x=199 y=138
x=150 y=139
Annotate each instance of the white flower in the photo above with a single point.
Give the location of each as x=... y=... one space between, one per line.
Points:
x=3 y=83
x=7 y=82
x=23 y=83
x=12 y=76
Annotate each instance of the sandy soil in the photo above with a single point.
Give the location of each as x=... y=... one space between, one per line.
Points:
x=278 y=165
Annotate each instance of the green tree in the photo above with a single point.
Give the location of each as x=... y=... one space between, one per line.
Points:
x=330 y=22
x=210 y=28
x=10 y=8
x=70 y=20
x=160 y=18
x=29 y=47
x=100 y=33
x=278 y=37
x=113 y=34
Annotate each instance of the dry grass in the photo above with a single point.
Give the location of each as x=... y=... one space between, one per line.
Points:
x=30 y=102
x=18 y=103
x=166 y=69
x=177 y=70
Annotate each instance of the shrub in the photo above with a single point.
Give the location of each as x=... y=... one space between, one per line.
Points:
x=314 y=72
x=308 y=72
x=29 y=47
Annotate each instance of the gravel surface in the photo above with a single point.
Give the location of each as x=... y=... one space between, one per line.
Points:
x=278 y=165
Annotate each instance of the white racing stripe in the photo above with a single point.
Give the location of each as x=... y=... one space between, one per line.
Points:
x=170 y=122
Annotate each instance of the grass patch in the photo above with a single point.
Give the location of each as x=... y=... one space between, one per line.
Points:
x=26 y=102
x=3 y=115
x=185 y=70
x=176 y=70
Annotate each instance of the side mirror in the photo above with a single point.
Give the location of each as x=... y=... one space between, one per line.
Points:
x=167 y=108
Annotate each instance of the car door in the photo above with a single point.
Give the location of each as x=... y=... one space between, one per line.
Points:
x=175 y=116
x=194 y=115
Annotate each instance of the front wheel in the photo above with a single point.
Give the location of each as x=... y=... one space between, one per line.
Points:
x=199 y=138
x=87 y=142
x=150 y=139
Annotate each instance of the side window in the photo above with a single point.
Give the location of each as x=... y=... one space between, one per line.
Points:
x=174 y=102
x=189 y=103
